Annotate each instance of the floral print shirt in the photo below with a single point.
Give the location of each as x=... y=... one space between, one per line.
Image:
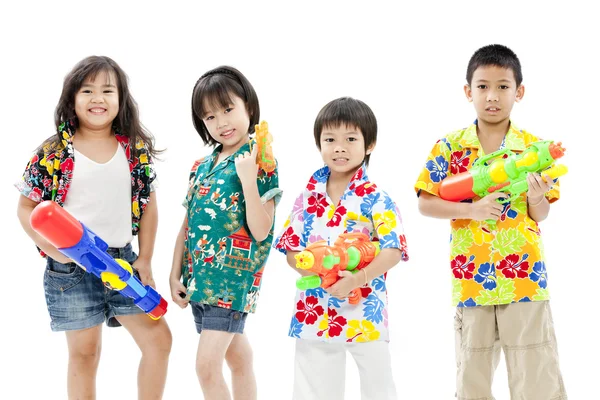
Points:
x=489 y=267
x=362 y=208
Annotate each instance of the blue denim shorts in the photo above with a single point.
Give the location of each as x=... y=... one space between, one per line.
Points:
x=78 y=300
x=217 y=318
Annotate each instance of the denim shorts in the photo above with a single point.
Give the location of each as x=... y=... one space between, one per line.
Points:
x=78 y=300
x=217 y=318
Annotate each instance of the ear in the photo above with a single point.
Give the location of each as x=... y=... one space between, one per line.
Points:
x=520 y=93
x=468 y=92
x=370 y=148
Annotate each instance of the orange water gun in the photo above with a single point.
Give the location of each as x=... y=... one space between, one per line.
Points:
x=263 y=138
x=350 y=252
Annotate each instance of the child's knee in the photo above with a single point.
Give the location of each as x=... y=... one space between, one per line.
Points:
x=158 y=341
x=239 y=358
x=86 y=352
x=208 y=370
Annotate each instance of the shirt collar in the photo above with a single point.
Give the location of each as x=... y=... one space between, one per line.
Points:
x=514 y=139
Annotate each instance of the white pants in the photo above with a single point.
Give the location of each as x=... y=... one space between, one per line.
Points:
x=320 y=370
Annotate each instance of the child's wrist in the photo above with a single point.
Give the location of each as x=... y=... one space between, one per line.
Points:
x=534 y=202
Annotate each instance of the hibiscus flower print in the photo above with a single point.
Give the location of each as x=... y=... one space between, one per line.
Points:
x=317 y=204
x=539 y=274
x=461 y=268
x=309 y=311
x=365 y=188
x=289 y=240
x=513 y=267
x=332 y=324
x=459 y=161
x=361 y=331
x=337 y=217
x=437 y=169
x=486 y=275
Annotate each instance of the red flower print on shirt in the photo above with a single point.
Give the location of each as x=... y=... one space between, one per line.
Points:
x=512 y=266
x=459 y=162
x=365 y=189
x=311 y=184
x=337 y=217
x=289 y=240
x=461 y=268
x=317 y=204
x=308 y=312
x=335 y=324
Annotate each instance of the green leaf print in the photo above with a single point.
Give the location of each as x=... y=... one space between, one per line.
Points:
x=514 y=142
x=542 y=294
x=519 y=204
x=456 y=291
x=504 y=293
x=509 y=241
x=462 y=240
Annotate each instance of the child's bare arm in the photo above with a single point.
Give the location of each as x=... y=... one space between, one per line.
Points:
x=384 y=261
x=258 y=216
x=146 y=240
x=538 y=206
x=177 y=288
x=486 y=208
x=24 y=210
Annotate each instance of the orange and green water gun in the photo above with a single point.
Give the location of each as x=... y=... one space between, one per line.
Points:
x=263 y=138
x=504 y=171
x=350 y=252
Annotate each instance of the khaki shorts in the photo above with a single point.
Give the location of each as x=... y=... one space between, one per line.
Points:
x=525 y=332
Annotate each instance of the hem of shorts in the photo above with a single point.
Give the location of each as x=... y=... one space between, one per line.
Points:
x=121 y=311
x=228 y=322
x=475 y=398
x=94 y=320
x=216 y=305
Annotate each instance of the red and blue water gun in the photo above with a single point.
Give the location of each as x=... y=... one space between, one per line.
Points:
x=86 y=249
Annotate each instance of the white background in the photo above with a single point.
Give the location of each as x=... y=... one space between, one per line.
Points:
x=407 y=62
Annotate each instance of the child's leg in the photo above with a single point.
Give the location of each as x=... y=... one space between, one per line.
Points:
x=375 y=370
x=239 y=359
x=477 y=352
x=529 y=343
x=84 y=355
x=319 y=371
x=154 y=340
x=212 y=348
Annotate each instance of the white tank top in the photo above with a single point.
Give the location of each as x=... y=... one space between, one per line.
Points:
x=100 y=197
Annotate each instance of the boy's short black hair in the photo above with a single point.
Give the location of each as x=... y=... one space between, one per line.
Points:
x=215 y=89
x=498 y=55
x=350 y=112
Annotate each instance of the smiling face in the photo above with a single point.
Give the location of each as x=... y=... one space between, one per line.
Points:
x=229 y=124
x=493 y=91
x=97 y=101
x=343 y=148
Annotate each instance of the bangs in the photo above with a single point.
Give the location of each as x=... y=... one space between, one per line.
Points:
x=214 y=93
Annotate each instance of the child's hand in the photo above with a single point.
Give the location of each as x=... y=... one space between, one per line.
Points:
x=144 y=268
x=246 y=167
x=538 y=187
x=488 y=207
x=178 y=293
x=342 y=288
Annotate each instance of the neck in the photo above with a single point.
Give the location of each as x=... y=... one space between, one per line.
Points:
x=341 y=178
x=493 y=129
x=227 y=151
x=89 y=133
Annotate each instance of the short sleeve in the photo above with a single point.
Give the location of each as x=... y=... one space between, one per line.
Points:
x=268 y=186
x=554 y=193
x=291 y=236
x=191 y=180
x=387 y=224
x=37 y=180
x=435 y=169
